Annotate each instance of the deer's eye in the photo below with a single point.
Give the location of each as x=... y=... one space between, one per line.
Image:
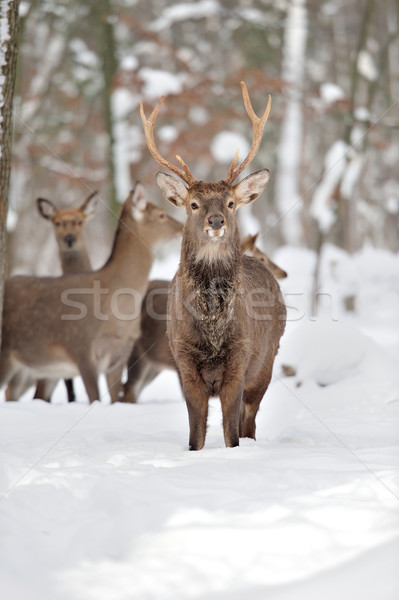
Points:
x=57 y=223
x=194 y=205
x=80 y=222
x=162 y=216
x=231 y=204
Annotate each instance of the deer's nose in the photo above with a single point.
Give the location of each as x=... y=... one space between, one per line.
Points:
x=216 y=221
x=69 y=239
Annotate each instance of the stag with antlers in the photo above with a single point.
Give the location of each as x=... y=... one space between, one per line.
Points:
x=226 y=311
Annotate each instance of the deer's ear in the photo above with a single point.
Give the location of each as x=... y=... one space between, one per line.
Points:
x=254 y=238
x=139 y=202
x=250 y=188
x=46 y=208
x=89 y=206
x=172 y=189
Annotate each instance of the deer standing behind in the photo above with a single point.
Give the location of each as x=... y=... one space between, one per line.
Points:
x=151 y=353
x=227 y=313
x=249 y=247
x=85 y=323
x=69 y=230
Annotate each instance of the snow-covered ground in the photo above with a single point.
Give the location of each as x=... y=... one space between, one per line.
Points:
x=105 y=502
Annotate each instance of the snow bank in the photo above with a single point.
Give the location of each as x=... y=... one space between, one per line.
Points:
x=105 y=502
x=362 y=375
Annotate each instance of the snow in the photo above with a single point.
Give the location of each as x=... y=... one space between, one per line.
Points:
x=157 y=83
x=129 y=62
x=322 y=208
x=330 y=93
x=366 y=66
x=105 y=502
x=225 y=144
x=4 y=37
x=182 y=12
x=361 y=113
x=351 y=175
x=289 y=149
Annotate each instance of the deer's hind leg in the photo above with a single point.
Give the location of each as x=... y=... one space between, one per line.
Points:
x=18 y=385
x=250 y=402
x=13 y=376
x=140 y=372
x=45 y=389
x=70 y=390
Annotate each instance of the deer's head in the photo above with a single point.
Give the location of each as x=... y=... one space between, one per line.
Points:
x=152 y=223
x=211 y=207
x=68 y=223
x=249 y=247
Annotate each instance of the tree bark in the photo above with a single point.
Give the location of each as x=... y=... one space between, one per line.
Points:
x=102 y=12
x=291 y=138
x=346 y=209
x=8 y=67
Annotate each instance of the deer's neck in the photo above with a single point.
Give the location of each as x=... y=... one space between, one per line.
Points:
x=212 y=286
x=214 y=262
x=131 y=259
x=75 y=261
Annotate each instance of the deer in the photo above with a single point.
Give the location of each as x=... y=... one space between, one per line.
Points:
x=85 y=323
x=69 y=230
x=226 y=311
x=249 y=247
x=151 y=353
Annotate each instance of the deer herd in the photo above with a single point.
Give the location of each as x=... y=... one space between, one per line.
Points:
x=218 y=323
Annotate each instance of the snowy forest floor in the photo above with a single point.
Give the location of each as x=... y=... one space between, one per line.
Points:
x=106 y=503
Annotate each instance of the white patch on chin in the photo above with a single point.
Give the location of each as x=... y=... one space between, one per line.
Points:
x=216 y=233
x=213 y=251
x=137 y=214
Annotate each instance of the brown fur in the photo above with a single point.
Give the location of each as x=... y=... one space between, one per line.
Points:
x=226 y=310
x=38 y=338
x=151 y=353
x=69 y=231
x=249 y=247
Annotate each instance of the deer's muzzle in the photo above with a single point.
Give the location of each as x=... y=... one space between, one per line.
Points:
x=216 y=221
x=69 y=240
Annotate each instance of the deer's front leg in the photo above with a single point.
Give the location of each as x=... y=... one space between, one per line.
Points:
x=231 y=395
x=231 y=399
x=89 y=376
x=114 y=383
x=197 y=397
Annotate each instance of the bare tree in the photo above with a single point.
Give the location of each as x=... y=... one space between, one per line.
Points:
x=8 y=64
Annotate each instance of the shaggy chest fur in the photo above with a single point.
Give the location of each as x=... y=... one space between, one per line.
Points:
x=215 y=308
x=215 y=295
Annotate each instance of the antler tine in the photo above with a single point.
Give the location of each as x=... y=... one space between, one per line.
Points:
x=190 y=179
x=233 y=166
x=148 y=124
x=258 y=124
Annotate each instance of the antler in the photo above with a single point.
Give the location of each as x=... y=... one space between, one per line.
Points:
x=258 y=126
x=184 y=173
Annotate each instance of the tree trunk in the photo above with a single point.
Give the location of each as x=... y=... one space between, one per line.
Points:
x=289 y=151
x=102 y=13
x=8 y=67
x=346 y=205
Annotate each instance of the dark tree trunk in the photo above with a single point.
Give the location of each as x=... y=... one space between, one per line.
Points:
x=102 y=12
x=8 y=67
